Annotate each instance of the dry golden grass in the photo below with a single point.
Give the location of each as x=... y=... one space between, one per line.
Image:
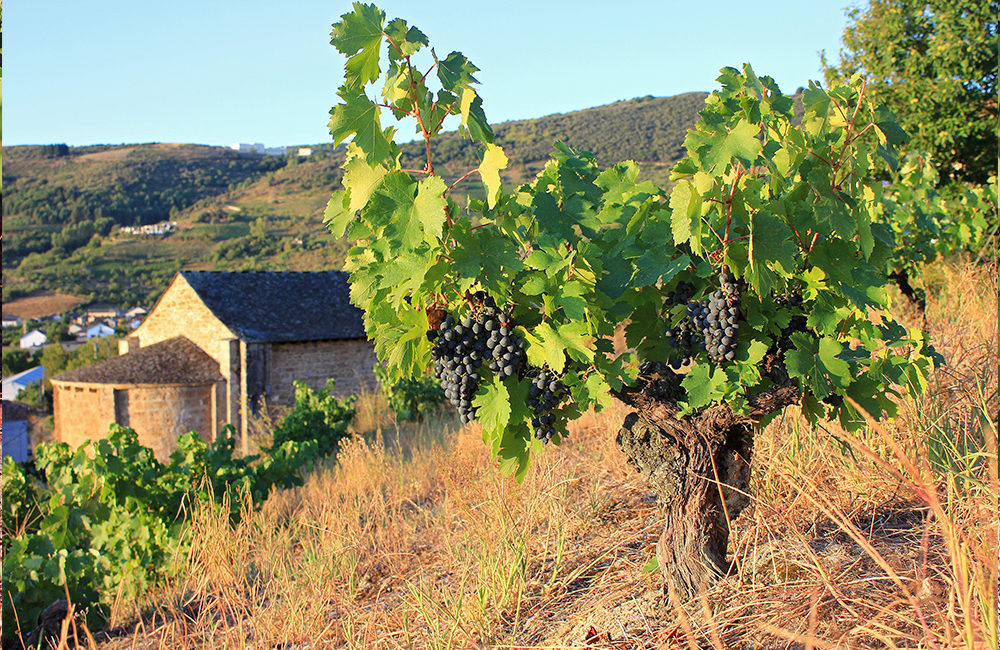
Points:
x=42 y=304
x=415 y=540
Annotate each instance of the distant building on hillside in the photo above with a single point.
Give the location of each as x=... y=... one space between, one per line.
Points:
x=258 y=148
x=15 y=442
x=101 y=311
x=10 y=320
x=255 y=333
x=100 y=331
x=151 y=229
x=33 y=339
x=15 y=384
x=305 y=151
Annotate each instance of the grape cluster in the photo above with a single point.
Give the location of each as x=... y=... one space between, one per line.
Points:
x=722 y=320
x=716 y=318
x=797 y=323
x=681 y=336
x=460 y=350
x=544 y=395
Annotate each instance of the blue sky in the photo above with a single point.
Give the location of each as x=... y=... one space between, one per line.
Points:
x=220 y=71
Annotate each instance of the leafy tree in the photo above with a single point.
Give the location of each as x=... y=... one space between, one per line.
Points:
x=757 y=282
x=16 y=360
x=934 y=63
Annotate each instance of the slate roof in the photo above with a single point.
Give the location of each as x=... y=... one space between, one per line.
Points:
x=13 y=411
x=174 y=361
x=280 y=306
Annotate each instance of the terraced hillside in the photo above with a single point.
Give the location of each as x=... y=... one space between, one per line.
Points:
x=64 y=207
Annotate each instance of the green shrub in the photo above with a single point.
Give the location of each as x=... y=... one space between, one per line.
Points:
x=109 y=516
x=410 y=399
x=317 y=416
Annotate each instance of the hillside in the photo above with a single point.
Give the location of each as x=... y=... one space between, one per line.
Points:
x=63 y=206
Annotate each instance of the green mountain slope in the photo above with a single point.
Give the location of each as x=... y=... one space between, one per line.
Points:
x=63 y=207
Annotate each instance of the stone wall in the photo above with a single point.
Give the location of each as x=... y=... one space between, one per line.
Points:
x=158 y=413
x=180 y=312
x=348 y=362
x=83 y=412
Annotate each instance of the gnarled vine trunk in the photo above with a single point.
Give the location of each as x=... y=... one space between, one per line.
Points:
x=699 y=466
x=915 y=296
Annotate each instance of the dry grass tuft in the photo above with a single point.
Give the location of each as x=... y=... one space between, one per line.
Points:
x=413 y=539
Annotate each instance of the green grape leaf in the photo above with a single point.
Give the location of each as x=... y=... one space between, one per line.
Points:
x=741 y=142
x=872 y=396
x=399 y=338
x=826 y=316
x=494 y=160
x=655 y=266
x=704 y=384
x=815 y=362
x=569 y=338
x=553 y=347
x=771 y=244
x=492 y=402
x=411 y=212
x=473 y=117
x=515 y=451
x=430 y=205
x=569 y=300
x=617 y=273
x=595 y=390
x=455 y=72
x=686 y=222
x=404 y=41
x=359 y=35
x=358 y=116
x=357 y=30
x=337 y=214
x=533 y=284
x=360 y=178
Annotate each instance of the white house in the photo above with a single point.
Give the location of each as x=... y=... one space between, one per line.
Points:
x=33 y=339
x=305 y=151
x=13 y=385
x=75 y=330
x=99 y=331
x=258 y=148
x=135 y=312
x=15 y=431
x=161 y=228
x=10 y=320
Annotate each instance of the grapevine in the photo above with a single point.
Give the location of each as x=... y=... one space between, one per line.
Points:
x=756 y=282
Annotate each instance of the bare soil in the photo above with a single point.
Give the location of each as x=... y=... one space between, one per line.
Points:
x=42 y=304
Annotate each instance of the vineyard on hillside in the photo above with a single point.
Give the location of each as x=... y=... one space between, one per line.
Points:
x=755 y=408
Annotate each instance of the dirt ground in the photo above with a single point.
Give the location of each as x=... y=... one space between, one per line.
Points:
x=41 y=304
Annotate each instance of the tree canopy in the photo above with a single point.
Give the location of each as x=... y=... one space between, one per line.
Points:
x=934 y=63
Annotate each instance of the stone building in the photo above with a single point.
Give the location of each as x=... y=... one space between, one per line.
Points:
x=260 y=330
x=161 y=391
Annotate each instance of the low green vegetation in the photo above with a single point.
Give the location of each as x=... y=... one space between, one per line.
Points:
x=102 y=521
x=411 y=399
